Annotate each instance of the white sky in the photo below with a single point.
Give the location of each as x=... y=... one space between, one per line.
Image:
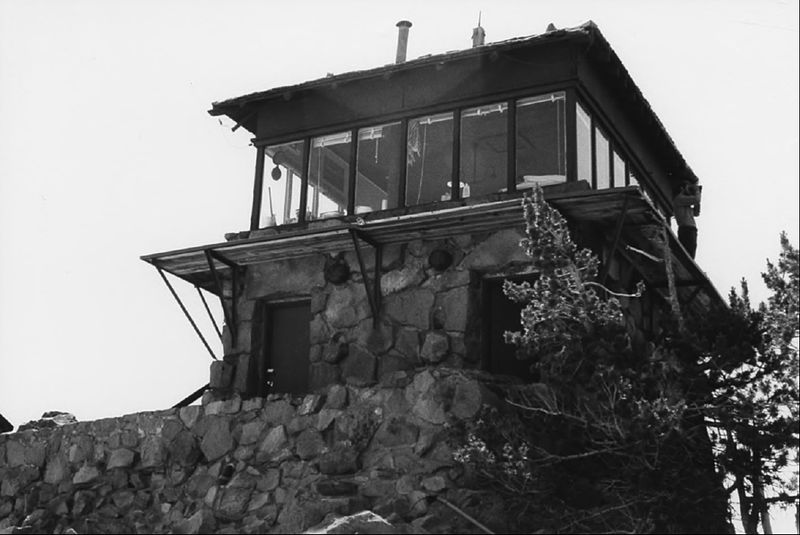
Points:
x=107 y=153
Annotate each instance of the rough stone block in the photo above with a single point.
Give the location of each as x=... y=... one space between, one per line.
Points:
x=269 y=481
x=275 y=439
x=171 y=428
x=310 y=405
x=499 y=250
x=377 y=340
x=226 y=406
x=406 y=484
x=277 y=412
x=411 y=308
x=183 y=449
x=407 y=343
x=257 y=501
x=309 y=444
x=87 y=474
x=15 y=453
x=341 y=309
x=425 y=399
x=221 y=375
x=401 y=279
x=434 y=484
x=189 y=415
x=252 y=404
x=300 y=423
x=251 y=431
x=120 y=458
x=217 y=440
x=467 y=400
x=152 y=452
x=336 y=397
x=35 y=454
x=56 y=471
x=241 y=375
x=435 y=347
x=334 y=351
x=326 y=417
x=390 y=364
x=318 y=330
x=360 y=366
x=455 y=305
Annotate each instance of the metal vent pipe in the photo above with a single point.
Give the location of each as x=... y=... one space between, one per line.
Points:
x=402 y=40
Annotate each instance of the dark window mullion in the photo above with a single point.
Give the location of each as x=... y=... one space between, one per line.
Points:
x=258 y=188
x=571 y=118
x=301 y=216
x=610 y=162
x=455 y=191
x=511 y=133
x=592 y=149
x=401 y=195
x=351 y=179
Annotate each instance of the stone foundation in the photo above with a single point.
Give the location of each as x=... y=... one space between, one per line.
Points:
x=279 y=464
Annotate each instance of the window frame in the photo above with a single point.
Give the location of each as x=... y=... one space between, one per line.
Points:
x=574 y=95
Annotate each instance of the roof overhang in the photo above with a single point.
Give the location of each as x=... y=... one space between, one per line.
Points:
x=244 y=110
x=626 y=212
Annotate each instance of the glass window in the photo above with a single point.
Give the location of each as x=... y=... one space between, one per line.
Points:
x=541 y=141
x=280 y=197
x=583 y=133
x=632 y=181
x=430 y=158
x=329 y=175
x=484 y=149
x=601 y=159
x=619 y=171
x=378 y=167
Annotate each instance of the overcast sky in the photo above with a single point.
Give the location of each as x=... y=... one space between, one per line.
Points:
x=107 y=153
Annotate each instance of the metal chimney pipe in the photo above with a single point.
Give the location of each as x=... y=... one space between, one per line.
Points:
x=478 y=36
x=402 y=40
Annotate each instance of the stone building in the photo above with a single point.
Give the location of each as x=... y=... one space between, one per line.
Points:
x=390 y=211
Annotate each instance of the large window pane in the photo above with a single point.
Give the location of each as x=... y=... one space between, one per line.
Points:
x=280 y=198
x=601 y=159
x=541 y=140
x=583 y=133
x=619 y=171
x=378 y=168
x=328 y=175
x=430 y=158
x=484 y=149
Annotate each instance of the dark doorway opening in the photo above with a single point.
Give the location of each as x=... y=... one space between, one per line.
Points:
x=281 y=346
x=501 y=314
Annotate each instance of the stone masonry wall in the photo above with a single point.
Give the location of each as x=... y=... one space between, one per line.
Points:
x=427 y=316
x=279 y=464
